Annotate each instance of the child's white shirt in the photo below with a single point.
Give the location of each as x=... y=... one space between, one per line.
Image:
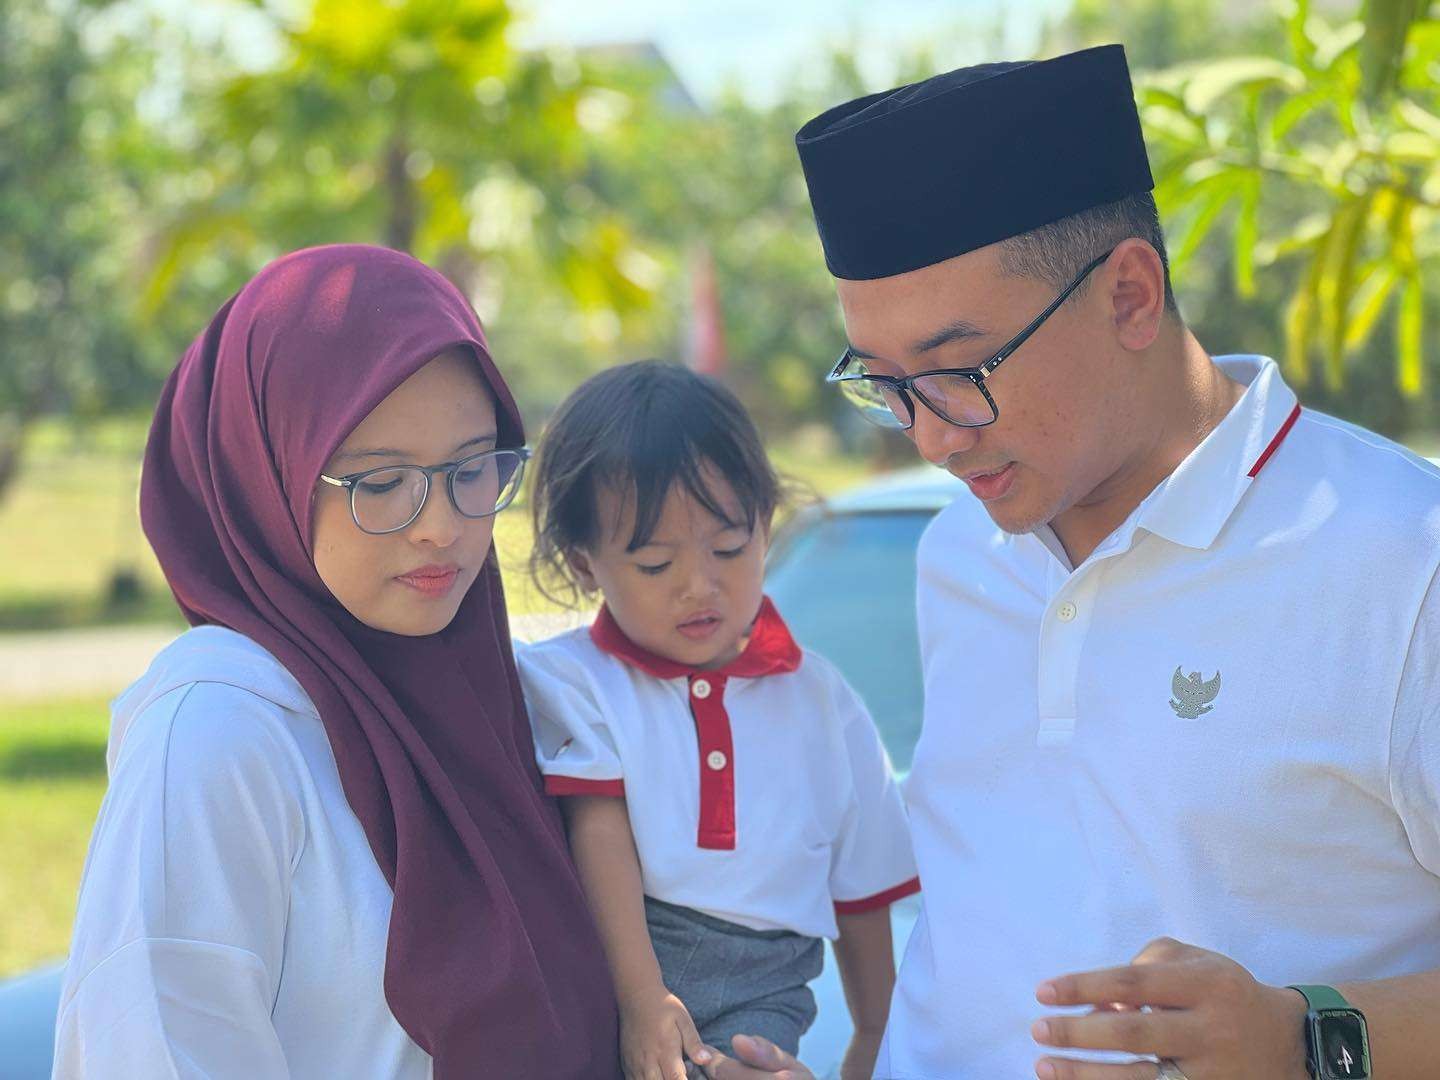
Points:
x=758 y=793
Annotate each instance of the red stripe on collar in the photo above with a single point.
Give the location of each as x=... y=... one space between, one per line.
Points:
x=770 y=651
x=1275 y=442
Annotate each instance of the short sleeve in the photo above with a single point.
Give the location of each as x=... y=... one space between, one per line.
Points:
x=873 y=864
x=1415 y=736
x=179 y=936
x=574 y=745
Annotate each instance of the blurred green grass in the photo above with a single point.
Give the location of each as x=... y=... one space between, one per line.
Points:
x=69 y=522
x=52 y=778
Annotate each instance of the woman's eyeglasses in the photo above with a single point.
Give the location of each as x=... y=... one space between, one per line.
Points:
x=389 y=498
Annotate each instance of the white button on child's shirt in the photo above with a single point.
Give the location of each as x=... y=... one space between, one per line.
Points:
x=701 y=689
x=716 y=760
x=1066 y=611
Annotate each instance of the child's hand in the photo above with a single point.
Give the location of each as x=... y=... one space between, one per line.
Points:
x=860 y=1055
x=656 y=1036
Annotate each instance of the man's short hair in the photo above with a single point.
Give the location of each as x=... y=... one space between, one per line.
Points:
x=1060 y=250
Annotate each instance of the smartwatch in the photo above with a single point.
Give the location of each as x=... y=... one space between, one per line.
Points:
x=1337 y=1043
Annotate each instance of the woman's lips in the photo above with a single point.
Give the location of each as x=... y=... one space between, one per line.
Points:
x=431 y=581
x=699 y=627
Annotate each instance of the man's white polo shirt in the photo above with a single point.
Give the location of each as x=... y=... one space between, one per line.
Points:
x=1224 y=726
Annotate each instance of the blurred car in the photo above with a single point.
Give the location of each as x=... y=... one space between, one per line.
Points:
x=843 y=574
x=27 y=1023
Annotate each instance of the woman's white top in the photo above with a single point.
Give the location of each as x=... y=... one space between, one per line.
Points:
x=232 y=919
x=768 y=802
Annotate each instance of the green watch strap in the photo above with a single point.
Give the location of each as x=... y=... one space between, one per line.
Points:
x=1322 y=997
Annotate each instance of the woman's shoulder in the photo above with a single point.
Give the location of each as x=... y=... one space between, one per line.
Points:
x=216 y=746
x=221 y=656
x=213 y=699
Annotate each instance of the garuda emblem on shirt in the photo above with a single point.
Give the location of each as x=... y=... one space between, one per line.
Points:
x=1193 y=695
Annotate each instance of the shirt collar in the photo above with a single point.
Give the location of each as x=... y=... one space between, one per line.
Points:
x=770 y=651
x=1194 y=502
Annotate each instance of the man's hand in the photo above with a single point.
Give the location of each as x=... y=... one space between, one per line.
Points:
x=656 y=1036
x=1200 y=1009
x=758 y=1059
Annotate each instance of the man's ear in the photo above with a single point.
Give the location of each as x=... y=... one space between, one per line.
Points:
x=579 y=564
x=1137 y=295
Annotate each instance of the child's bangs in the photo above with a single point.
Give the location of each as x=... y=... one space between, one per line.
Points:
x=691 y=454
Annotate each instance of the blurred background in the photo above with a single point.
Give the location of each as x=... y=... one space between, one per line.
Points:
x=608 y=181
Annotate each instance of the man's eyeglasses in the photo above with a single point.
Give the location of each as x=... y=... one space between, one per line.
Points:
x=389 y=498
x=956 y=395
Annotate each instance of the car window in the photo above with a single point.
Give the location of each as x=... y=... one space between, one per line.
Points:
x=846 y=586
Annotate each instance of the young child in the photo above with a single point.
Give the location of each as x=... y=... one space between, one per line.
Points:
x=728 y=799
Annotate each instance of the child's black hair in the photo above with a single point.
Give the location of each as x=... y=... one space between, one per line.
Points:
x=639 y=429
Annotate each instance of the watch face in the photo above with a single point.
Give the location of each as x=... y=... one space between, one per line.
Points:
x=1340 y=1038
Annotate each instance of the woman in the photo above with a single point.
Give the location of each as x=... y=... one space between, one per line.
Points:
x=324 y=850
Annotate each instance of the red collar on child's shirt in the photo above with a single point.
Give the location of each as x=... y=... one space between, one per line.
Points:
x=770 y=651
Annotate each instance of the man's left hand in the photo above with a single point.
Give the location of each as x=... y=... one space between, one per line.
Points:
x=755 y=1059
x=1195 y=1007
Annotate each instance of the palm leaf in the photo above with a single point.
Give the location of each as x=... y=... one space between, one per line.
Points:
x=1409 y=336
x=1382 y=51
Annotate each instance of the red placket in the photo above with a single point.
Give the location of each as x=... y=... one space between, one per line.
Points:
x=770 y=651
x=717 y=762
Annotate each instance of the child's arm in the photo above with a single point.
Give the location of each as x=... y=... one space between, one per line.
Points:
x=655 y=1028
x=864 y=954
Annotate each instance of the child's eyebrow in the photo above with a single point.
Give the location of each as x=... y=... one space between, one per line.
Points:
x=738 y=526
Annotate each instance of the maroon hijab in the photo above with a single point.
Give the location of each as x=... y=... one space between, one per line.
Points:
x=493 y=963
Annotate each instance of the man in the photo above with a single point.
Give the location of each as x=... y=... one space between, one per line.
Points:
x=1182 y=648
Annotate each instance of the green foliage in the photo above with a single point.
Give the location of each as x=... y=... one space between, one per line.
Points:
x=143 y=178
x=65 y=338
x=725 y=184
x=413 y=124
x=1387 y=28
x=1329 y=160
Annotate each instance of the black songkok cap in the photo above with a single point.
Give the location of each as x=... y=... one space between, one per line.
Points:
x=911 y=177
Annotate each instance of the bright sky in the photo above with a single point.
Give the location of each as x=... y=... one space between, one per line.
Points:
x=761 y=45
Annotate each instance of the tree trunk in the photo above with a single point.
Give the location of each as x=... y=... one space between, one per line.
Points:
x=458 y=264
x=12 y=441
x=400 y=224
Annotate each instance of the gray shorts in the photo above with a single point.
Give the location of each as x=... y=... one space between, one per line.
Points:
x=734 y=980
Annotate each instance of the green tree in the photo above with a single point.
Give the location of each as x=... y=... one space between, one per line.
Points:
x=727 y=182
x=1163 y=33
x=1328 y=159
x=413 y=124
x=66 y=342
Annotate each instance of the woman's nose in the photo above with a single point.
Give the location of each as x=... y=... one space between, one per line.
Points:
x=439 y=523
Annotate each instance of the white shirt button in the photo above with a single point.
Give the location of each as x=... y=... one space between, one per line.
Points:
x=717 y=760
x=1066 y=611
x=700 y=688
